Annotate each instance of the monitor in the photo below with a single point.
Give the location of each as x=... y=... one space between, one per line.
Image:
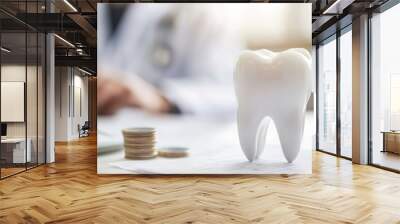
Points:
x=3 y=129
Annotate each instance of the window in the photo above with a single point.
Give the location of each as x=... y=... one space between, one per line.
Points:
x=327 y=97
x=346 y=93
x=385 y=89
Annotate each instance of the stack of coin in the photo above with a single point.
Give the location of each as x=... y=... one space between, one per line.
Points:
x=139 y=143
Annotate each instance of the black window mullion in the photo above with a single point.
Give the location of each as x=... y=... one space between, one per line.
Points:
x=369 y=81
x=317 y=96
x=338 y=91
x=37 y=90
x=26 y=86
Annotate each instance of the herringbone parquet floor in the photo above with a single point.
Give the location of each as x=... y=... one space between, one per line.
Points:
x=70 y=191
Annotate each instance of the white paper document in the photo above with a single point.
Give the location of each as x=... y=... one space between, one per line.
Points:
x=213 y=147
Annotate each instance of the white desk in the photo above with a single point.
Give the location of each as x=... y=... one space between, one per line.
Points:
x=18 y=150
x=213 y=143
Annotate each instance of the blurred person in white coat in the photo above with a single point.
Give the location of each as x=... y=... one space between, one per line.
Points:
x=167 y=58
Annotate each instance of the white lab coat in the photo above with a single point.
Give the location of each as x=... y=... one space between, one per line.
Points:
x=191 y=61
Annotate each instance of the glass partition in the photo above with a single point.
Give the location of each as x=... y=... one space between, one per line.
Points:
x=22 y=77
x=14 y=153
x=41 y=96
x=31 y=99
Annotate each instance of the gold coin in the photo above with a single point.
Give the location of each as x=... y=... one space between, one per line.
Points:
x=131 y=150
x=139 y=130
x=173 y=152
x=149 y=156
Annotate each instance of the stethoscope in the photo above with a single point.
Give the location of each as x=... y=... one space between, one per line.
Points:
x=161 y=52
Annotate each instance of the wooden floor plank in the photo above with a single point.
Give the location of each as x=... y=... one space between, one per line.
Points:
x=70 y=191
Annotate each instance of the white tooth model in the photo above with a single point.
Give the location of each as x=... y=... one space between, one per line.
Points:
x=272 y=86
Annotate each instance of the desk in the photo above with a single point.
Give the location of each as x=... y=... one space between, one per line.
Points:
x=213 y=147
x=13 y=150
x=391 y=141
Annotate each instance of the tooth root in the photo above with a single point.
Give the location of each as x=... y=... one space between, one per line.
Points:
x=290 y=130
x=252 y=132
x=261 y=136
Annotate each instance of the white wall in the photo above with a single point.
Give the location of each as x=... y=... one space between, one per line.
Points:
x=34 y=126
x=79 y=117
x=12 y=73
x=70 y=83
x=82 y=83
x=62 y=81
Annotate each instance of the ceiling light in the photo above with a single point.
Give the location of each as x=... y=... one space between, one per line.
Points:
x=79 y=51
x=65 y=41
x=5 y=50
x=338 y=6
x=70 y=5
x=326 y=11
x=84 y=71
